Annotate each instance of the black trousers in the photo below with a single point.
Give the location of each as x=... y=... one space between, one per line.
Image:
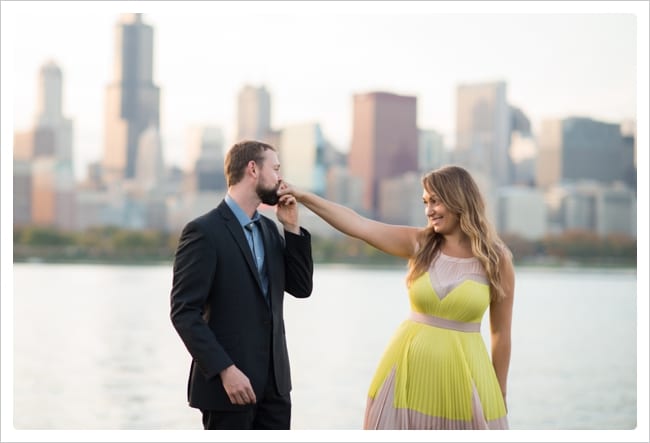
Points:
x=272 y=411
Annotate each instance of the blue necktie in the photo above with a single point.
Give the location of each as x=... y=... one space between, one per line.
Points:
x=258 y=260
x=257 y=255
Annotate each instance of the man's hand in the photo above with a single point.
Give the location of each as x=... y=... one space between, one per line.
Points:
x=237 y=386
x=287 y=210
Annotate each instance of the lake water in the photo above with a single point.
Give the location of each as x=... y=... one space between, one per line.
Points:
x=94 y=348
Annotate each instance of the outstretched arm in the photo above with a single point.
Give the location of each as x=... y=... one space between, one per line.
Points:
x=391 y=239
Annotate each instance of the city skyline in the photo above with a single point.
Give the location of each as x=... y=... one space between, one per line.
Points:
x=320 y=88
x=313 y=62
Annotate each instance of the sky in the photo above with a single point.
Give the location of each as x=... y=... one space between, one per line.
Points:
x=314 y=56
x=559 y=59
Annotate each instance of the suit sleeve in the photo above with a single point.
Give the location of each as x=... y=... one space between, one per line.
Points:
x=194 y=266
x=298 y=262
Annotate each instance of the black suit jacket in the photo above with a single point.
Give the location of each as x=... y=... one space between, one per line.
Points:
x=218 y=307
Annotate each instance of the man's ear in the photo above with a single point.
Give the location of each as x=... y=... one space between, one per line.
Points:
x=252 y=167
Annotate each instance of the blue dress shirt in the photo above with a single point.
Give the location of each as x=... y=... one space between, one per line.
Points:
x=253 y=236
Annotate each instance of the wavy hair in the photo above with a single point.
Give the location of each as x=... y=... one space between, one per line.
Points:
x=459 y=193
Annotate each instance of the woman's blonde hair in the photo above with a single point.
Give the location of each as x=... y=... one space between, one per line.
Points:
x=458 y=192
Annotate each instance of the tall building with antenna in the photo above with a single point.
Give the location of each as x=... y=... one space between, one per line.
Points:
x=132 y=98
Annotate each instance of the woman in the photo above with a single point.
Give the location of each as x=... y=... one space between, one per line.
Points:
x=436 y=372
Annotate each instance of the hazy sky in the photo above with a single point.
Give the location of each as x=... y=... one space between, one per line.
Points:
x=559 y=59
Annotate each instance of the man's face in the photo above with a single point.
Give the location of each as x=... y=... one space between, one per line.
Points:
x=269 y=179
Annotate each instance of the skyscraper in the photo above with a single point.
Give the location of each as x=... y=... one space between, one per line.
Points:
x=483 y=120
x=132 y=99
x=49 y=114
x=580 y=148
x=431 y=150
x=43 y=159
x=303 y=156
x=208 y=166
x=253 y=113
x=384 y=141
x=150 y=165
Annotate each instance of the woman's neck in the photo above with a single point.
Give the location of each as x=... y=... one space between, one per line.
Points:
x=457 y=245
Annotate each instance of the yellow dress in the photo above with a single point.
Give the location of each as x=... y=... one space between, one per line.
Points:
x=436 y=372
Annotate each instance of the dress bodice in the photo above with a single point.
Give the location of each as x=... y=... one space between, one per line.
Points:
x=453 y=288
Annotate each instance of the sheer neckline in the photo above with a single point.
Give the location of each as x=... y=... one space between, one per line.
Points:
x=457 y=259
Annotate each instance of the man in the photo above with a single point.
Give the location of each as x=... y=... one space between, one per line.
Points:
x=231 y=270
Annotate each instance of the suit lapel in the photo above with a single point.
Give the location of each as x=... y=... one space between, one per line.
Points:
x=232 y=224
x=266 y=238
x=269 y=255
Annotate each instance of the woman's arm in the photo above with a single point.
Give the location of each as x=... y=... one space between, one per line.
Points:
x=391 y=239
x=500 y=324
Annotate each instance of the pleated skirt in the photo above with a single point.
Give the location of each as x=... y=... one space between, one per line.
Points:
x=435 y=378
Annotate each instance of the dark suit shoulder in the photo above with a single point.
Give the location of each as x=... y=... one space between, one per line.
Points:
x=202 y=227
x=219 y=213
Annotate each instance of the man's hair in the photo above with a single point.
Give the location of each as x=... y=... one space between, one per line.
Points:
x=238 y=157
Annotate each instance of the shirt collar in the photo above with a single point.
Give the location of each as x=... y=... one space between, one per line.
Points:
x=239 y=212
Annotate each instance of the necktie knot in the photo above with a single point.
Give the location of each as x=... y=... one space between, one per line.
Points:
x=250 y=225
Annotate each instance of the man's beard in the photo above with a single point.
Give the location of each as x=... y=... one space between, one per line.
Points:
x=268 y=196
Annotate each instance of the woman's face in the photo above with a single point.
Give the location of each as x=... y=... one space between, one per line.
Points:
x=440 y=218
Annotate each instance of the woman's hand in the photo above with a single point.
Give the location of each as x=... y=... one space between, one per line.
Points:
x=288 y=189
